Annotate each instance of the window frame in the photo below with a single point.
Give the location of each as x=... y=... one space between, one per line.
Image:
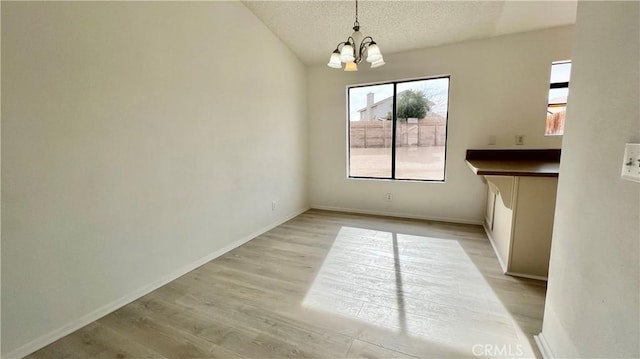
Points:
x=393 y=130
x=557 y=85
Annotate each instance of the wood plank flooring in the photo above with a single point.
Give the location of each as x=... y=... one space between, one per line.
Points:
x=330 y=285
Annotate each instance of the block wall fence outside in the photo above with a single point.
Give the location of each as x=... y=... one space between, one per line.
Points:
x=375 y=134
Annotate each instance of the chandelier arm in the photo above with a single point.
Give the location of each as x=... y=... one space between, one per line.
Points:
x=364 y=45
x=340 y=44
x=369 y=38
x=348 y=42
x=360 y=53
x=351 y=41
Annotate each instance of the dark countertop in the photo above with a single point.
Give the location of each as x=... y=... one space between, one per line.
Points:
x=534 y=163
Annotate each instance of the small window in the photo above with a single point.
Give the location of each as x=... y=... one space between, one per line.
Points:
x=558 y=94
x=398 y=130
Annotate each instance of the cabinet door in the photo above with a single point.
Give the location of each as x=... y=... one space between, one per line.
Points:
x=502 y=187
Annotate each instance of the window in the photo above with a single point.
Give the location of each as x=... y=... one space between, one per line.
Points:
x=398 y=130
x=558 y=93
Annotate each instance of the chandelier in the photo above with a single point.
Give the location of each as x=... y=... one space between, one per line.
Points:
x=352 y=51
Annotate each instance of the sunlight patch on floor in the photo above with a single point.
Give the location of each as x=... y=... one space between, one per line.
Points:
x=420 y=286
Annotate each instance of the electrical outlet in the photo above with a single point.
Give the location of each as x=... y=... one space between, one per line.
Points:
x=492 y=140
x=519 y=139
x=389 y=197
x=274 y=205
x=631 y=162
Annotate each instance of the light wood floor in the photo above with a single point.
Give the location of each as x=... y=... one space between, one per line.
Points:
x=330 y=285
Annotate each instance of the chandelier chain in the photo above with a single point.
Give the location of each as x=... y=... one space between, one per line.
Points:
x=356 y=23
x=356 y=10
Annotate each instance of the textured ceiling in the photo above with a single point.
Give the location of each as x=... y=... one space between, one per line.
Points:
x=312 y=29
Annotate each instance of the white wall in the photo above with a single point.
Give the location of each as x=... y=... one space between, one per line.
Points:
x=137 y=138
x=0 y=183
x=498 y=86
x=592 y=306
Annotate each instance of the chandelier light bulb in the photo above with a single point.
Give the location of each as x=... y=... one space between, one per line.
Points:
x=351 y=67
x=346 y=55
x=373 y=53
x=377 y=63
x=334 y=61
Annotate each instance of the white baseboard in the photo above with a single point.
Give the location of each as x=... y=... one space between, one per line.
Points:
x=395 y=214
x=90 y=317
x=528 y=276
x=543 y=346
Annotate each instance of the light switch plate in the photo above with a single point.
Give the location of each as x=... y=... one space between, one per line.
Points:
x=631 y=162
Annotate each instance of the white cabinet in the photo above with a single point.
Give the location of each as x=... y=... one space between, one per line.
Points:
x=519 y=222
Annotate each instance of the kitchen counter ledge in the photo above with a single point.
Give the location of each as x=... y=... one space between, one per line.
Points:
x=531 y=163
